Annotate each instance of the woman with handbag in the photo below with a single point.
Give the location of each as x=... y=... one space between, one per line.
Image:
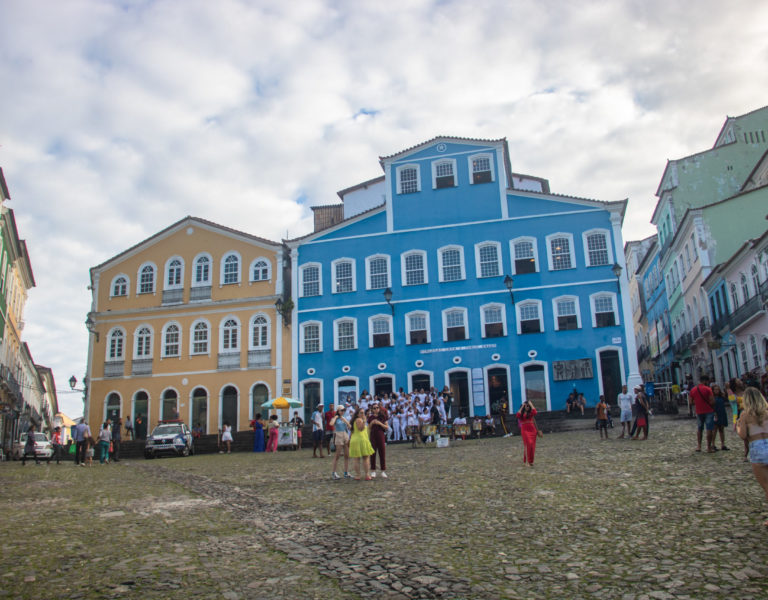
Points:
x=529 y=431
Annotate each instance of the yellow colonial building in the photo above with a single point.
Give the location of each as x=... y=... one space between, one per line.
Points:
x=186 y=325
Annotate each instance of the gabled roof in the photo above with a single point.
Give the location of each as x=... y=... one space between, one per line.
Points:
x=753 y=171
x=440 y=138
x=210 y=225
x=731 y=119
x=345 y=222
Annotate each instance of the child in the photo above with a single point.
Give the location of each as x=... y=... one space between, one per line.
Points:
x=89 y=451
x=602 y=417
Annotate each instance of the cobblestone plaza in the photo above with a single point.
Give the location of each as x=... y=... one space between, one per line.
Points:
x=613 y=519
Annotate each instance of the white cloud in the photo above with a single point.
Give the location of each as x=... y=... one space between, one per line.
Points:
x=120 y=118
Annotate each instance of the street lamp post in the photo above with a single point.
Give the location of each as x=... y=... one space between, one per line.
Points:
x=508 y=282
x=388 y=298
x=616 y=268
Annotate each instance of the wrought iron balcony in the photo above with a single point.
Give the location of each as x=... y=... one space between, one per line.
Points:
x=259 y=358
x=745 y=312
x=229 y=360
x=141 y=366
x=173 y=296
x=200 y=293
x=114 y=368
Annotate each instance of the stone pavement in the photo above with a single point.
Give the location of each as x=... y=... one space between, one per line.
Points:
x=614 y=519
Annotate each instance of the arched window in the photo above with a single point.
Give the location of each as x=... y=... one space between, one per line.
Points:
x=120 y=286
x=174 y=278
x=310 y=280
x=230 y=271
x=172 y=340
x=455 y=324
x=451 y=263
x=597 y=249
x=259 y=332
x=116 y=344
x=380 y=331
x=202 y=271
x=229 y=335
x=147 y=279
x=414 y=268
x=144 y=342
x=487 y=259
x=170 y=405
x=200 y=338
x=744 y=287
x=482 y=168
x=260 y=270
x=259 y=395
x=493 y=320
x=529 y=318
x=524 y=256
x=755 y=279
x=311 y=340
x=734 y=297
x=408 y=179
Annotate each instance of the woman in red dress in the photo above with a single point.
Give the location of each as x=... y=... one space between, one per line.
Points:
x=528 y=430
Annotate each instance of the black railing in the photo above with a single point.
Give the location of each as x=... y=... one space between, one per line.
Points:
x=745 y=311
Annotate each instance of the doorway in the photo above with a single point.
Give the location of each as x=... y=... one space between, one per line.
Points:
x=141 y=415
x=610 y=374
x=347 y=391
x=200 y=409
x=535 y=386
x=259 y=396
x=382 y=386
x=420 y=381
x=113 y=407
x=229 y=407
x=498 y=390
x=458 y=382
x=170 y=406
x=311 y=398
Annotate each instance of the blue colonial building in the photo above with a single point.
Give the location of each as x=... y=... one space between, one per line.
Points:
x=451 y=270
x=659 y=344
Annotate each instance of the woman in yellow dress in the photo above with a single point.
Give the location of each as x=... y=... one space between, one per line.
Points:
x=360 y=445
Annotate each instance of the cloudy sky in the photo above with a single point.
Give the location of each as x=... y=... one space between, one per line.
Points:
x=117 y=118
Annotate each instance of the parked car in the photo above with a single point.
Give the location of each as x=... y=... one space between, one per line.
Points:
x=43 y=447
x=169 y=437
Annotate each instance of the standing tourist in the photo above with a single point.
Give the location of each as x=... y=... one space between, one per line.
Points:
x=258 y=434
x=141 y=428
x=341 y=431
x=129 y=427
x=105 y=437
x=526 y=418
x=752 y=427
x=377 y=426
x=360 y=445
x=273 y=427
x=624 y=400
x=641 y=406
x=602 y=417
x=82 y=435
x=721 y=417
x=317 y=431
x=298 y=423
x=704 y=402
x=226 y=438
x=58 y=448
x=329 y=414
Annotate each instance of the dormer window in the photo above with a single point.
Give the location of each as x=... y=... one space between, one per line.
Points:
x=408 y=181
x=444 y=174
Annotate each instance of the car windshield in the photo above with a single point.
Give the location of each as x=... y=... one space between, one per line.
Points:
x=41 y=437
x=167 y=430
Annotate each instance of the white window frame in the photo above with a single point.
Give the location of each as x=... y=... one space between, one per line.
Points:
x=334 y=264
x=207 y=282
x=154 y=278
x=163 y=340
x=572 y=250
x=404 y=270
x=114 y=282
x=387 y=318
x=302 y=338
x=136 y=355
x=302 y=269
x=368 y=260
x=398 y=172
x=566 y=297
x=175 y=286
x=251 y=278
x=442 y=161
x=483 y=323
x=585 y=235
x=336 y=324
x=499 y=264
x=444 y=315
x=192 y=340
x=121 y=356
x=408 y=329
x=462 y=265
x=239 y=330
x=222 y=264
x=267 y=325
x=471 y=172
x=517 y=240
x=519 y=305
x=593 y=297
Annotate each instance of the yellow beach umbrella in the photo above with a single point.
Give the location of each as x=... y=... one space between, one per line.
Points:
x=282 y=402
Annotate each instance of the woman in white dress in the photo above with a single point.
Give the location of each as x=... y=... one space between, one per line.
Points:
x=226 y=437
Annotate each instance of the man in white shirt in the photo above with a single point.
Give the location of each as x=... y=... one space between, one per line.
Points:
x=317 y=431
x=625 y=400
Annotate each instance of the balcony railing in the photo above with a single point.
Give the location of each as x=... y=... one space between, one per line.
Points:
x=9 y=381
x=746 y=311
x=696 y=332
x=141 y=366
x=259 y=358
x=115 y=368
x=200 y=293
x=173 y=296
x=229 y=360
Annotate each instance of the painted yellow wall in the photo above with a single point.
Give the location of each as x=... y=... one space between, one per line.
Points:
x=186 y=372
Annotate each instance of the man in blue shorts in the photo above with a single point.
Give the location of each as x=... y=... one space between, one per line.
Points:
x=704 y=402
